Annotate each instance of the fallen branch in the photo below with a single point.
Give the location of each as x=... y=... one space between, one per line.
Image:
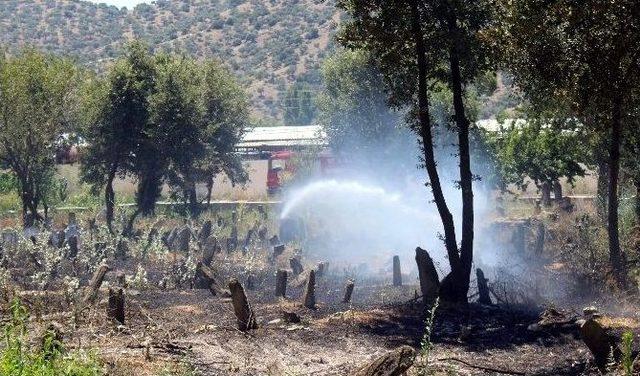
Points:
x=483 y=368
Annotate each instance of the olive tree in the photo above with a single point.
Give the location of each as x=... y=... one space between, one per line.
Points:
x=37 y=96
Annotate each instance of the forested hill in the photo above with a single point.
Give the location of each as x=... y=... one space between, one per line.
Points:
x=271 y=44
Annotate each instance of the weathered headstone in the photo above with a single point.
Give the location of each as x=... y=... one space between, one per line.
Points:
x=296 y=266
x=251 y=282
x=348 y=291
x=182 y=240
x=209 y=249
x=121 y=279
x=429 y=281
x=281 y=283
x=115 y=308
x=262 y=233
x=394 y=363
x=96 y=282
x=277 y=251
x=483 y=288
x=397 y=274
x=122 y=249
x=323 y=269
x=309 y=297
x=244 y=313
x=247 y=240
x=73 y=246
x=205 y=231
x=58 y=239
x=10 y=238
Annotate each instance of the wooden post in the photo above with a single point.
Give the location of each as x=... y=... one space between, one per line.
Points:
x=429 y=281
x=296 y=266
x=241 y=307
x=483 y=288
x=115 y=310
x=397 y=274
x=96 y=282
x=281 y=283
x=348 y=290
x=309 y=297
x=391 y=364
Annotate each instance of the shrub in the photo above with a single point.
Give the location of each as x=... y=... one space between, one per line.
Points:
x=48 y=359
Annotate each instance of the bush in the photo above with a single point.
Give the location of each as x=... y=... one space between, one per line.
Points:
x=48 y=359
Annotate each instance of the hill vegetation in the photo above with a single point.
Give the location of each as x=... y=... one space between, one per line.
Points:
x=271 y=45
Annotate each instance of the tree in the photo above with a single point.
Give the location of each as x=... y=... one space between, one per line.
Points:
x=177 y=113
x=541 y=149
x=587 y=54
x=226 y=116
x=417 y=43
x=36 y=108
x=354 y=112
x=201 y=113
x=299 y=106
x=117 y=115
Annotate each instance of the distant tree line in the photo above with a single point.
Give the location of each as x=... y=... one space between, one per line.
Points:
x=153 y=118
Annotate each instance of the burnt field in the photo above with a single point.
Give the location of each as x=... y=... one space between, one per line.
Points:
x=171 y=300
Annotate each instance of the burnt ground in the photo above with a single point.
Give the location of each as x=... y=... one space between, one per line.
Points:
x=194 y=332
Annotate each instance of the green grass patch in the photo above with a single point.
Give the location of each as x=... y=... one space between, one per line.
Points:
x=47 y=358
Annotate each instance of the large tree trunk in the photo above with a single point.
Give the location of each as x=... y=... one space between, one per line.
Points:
x=427 y=141
x=460 y=276
x=557 y=190
x=602 y=189
x=615 y=254
x=545 y=192
x=149 y=189
x=636 y=200
x=194 y=205
x=209 y=189
x=110 y=197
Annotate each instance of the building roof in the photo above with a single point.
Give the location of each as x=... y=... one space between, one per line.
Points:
x=290 y=136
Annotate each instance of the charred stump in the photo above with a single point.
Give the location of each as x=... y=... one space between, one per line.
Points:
x=348 y=291
x=115 y=309
x=241 y=307
x=281 y=283
x=309 y=297
x=429 y=281
x=96 y=282
x=397 y=273
x=394 y=363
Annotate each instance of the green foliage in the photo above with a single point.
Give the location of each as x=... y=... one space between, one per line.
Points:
x=36 y=96
x=426 y=346
x=8 y=183
x=49 y=359
x=539 y=149
x=299 y=106
x=627 y=357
